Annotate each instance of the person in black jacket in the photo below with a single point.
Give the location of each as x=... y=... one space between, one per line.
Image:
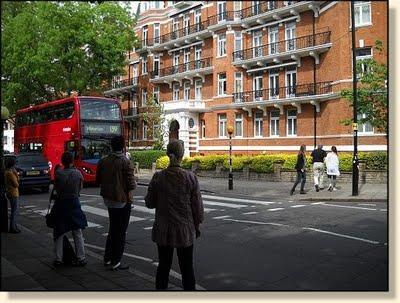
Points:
x=301 y=170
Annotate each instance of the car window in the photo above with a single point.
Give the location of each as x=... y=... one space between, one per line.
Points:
x=31 y=159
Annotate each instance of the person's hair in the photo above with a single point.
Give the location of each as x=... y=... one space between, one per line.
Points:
x=320 y=146
x=334 y=149
x=175 y=151
x=117 y=143
x=10 y=163
x=67 y=159
x=302 y=149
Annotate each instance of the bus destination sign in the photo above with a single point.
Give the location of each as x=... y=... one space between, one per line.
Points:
x=101 y=129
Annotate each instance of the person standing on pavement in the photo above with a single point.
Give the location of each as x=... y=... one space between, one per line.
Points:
x=117 y=181
x=318 y=155
x=332 y=167
x=68 y=214
x=175 y=194
x=11 y=181
x=301 y=170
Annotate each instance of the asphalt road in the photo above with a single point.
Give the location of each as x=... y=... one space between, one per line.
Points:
x=253 y=244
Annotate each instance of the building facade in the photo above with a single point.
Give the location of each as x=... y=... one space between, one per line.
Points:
x=273 y=70
x=8 y=136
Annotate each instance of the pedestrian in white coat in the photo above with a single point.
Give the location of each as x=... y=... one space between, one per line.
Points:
x=332 y=167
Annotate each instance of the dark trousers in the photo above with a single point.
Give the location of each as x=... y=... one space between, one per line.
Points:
x=185 y=258
x=301 y=176
x=14 y=212
x=115 y=244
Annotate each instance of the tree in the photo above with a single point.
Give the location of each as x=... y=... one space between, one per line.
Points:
x=372 y=99
x=155 y=120
x=52 y=48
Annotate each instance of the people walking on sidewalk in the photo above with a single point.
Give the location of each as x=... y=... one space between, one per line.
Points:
x=175 y=194
x=301 y=170
x=11 y=180
x=332 y=167
x=117 y=181
x=318 y=155
x=68 y=214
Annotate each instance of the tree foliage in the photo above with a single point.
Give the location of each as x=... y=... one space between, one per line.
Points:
x=371 y=92
x=155 y=117
x=52 y=48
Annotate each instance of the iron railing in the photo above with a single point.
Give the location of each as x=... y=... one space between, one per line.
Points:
x=285 y=92
x=183 y=32
x=181 y=68
x=124 y=83
x=282 y=46
x=222 y=17
x=129 y=112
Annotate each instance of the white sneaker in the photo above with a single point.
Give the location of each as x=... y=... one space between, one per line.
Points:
x=335 y=188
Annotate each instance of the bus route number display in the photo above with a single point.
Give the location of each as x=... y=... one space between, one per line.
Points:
x=101 y=129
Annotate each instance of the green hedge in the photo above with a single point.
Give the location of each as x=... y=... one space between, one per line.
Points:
x=264 y=163
x=146 y=157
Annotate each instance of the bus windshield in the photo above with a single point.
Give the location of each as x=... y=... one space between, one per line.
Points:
x=97 y=109
x=94 y=149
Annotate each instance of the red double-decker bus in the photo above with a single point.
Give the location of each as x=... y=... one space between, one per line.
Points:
x=82 y=125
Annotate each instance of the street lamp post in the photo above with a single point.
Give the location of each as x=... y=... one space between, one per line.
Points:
x=230 y=182
x=355 y=124
x=4 y=211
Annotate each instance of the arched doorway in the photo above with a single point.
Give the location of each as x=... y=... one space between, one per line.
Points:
x=174 y=130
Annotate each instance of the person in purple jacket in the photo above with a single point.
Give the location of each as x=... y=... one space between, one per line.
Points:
x=175 y=194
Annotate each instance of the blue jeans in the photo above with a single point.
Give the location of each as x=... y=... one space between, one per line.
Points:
x=14 y=211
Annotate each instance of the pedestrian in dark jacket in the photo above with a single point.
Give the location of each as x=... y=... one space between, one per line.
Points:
x=301 y=170
x=175 y=194
x=117 y=182
x=67 y=209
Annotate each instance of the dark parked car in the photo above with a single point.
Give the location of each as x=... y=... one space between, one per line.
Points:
x=33 y=171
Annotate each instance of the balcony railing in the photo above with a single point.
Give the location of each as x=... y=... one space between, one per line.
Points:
x=285 y=92
x=223 y=17
x=129 y=112
x=142 y=44
x=192 y=29
x=124 y=83
x=263 y=7
x=181 y=68
x=282 y=46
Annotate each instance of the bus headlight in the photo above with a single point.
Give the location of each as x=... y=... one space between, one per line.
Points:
x=50 y=165
x=87 y=170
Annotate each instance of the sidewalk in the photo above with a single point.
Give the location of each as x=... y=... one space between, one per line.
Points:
x=26 y=264
x=280 y=190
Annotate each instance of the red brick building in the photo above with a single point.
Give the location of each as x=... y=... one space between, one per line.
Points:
x=271 y=69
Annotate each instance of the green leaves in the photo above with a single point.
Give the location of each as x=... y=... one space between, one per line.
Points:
x=371 y=92
x=50 y=48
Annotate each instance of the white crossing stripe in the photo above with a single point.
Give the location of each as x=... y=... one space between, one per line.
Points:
x=317 y=203
x=29 y=206
x=43 y=212
x=103 y=213
x=150 y=227
x=347 y=206
x=207 y=202
x=237 y=200
x=276 y=209
x=367 y=204
x=340 y=235
x=251 y=213
x=221 y=217
x=256 y=222
x=383 y=209
x=296 y=206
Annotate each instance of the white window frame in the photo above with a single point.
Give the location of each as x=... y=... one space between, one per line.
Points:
x=144 y=97
x=186 y=91
x=175 y=93
x=198 y=84
x=221 y=85
x=257 y=43
x=144 y=66
x=237 y=7
x=221 y=11
x=222 y=123
x=145 y=35
x=176 y=61
x=289 y=93
x=156 y=33
x=238 y=86
x=276 y=82
x=274 y=120
x=186 y=60
x=238 y=46
x=273 y=44
x=258 y=91
x=203 y=128
x=134 y=131
x=358 y=6
x=186 y=23
x=238 y=120
x=290 y=30
x=175 y=28
x=362 y=126
x=364 y=57
x=156 y=94
x=292 y=120
x=144 y=130
x=197 y=56
x=156 y=58
x=221 y=49
x=258 y=124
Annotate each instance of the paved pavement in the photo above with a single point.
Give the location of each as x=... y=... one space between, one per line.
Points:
x=280 y=190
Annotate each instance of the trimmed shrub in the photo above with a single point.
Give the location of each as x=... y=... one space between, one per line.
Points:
x=375 y=160
x=162 y=162
x=237 y=162
x=262 y=164
x=146 y=157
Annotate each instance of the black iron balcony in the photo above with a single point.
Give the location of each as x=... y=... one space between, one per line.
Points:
x=129 y=112
x=192 y=29
x=263 y=7
x=282 y=46
x=143 y=44
x=222 y=17
x=301 y=90
x=125 y=83
x=181 y=68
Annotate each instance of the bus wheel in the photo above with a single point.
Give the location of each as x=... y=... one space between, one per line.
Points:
x=45 y=189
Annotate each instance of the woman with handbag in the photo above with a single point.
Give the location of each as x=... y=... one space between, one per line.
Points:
x=67 y=212
x=332 y=167
x=11 y=180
